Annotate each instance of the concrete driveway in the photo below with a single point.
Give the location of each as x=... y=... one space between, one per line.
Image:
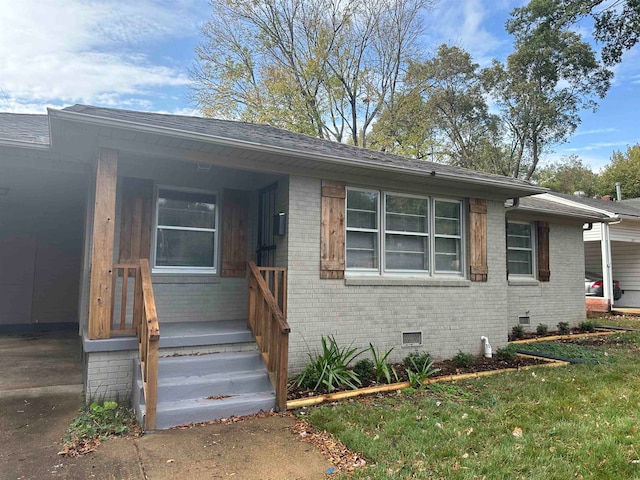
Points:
x=41 y=392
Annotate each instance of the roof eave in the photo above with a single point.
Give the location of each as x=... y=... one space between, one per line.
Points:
x=518 y=190
x=6 y=142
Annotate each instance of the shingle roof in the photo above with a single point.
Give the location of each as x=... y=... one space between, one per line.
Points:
x=620 y=208
x=269 y=136
x=538 y=203
x=24 y=128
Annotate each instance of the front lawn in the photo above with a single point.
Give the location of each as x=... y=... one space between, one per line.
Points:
x=579 y=421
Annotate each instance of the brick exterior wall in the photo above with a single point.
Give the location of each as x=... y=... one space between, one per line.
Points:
x=108 y=375
x=450 y=318
x=561 y=299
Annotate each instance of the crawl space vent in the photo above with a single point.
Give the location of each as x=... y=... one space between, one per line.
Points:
x=526 y=320
x=411 y=339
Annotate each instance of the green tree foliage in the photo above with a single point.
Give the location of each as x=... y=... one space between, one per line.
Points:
x=624 y=168
x=616 y=24
x=568 y=175
x=546 y=81
x=442 y=113
x=322 y=67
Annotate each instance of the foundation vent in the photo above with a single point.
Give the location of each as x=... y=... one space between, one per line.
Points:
x=525 y=320
x=411 y=339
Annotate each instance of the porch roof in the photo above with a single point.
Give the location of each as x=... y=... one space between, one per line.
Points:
x=24 y=129
x=198 y=139
x=625 y=208
x=547 y=204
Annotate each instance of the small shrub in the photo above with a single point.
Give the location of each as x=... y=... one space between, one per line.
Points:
x=419 y=367
x=329 y=369
x=506 y=354
x=542 y=329
x=463 y=360
x=517 y=331
x=587 y=326
x=417 y=360
x=365 y=370
x=563 y=328
x=380 y=365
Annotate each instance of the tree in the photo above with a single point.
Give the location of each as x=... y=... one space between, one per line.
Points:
x=441 y=114
x=322 y=67
x=615 y=23
x=568 y=175
x=624 y=168
x=550 y=76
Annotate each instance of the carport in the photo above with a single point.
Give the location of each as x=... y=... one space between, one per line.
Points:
x=42 y=204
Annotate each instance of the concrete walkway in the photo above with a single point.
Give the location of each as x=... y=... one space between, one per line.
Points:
x=40 y=393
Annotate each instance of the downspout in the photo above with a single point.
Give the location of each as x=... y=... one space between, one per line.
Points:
x=607 y=277
x=487 y=347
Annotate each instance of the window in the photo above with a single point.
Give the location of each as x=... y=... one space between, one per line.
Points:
x=392 y=233
x=186 y=233
x=520 y=247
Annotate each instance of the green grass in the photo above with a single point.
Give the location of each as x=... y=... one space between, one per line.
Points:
x=564 y=350
x=580 y=421
x=628 y=321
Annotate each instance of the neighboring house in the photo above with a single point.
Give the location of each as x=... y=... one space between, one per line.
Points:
x=612 y=247
x=402 y=253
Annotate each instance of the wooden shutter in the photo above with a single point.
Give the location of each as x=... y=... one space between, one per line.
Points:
x=543 y=252
x=332 y=233
x=235 y=221
x=478 y=270
x=136 y=222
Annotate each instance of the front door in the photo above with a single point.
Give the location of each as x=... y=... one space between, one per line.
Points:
x=266 y=251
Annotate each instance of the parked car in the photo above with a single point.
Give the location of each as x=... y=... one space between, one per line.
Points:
x=593 y=286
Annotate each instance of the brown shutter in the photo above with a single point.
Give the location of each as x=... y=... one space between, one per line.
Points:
x=235 y=221
x=543 y=252
x=332 y=233
x=478 y=240
x=135 y=225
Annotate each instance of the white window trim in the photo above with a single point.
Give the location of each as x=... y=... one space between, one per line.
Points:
x=364 y=271
x=382 y=231
x=533 y=250
x=216 y=235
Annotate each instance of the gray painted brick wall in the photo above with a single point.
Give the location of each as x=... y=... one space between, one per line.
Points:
x=450 y=318
x=561 y=299
x=109 y=375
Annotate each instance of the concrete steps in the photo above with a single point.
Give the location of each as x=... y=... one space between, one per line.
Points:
x=204 y=387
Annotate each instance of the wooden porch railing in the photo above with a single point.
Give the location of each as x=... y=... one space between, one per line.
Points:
x=141 y=319
x=267 y=307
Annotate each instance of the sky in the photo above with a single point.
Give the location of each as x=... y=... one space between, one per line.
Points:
x=137 y=54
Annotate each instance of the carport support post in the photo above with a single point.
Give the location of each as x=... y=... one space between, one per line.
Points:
x=607 y=277
x=100 y=293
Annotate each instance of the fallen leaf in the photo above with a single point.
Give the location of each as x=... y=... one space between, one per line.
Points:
x=171 y=460
x=517 y=432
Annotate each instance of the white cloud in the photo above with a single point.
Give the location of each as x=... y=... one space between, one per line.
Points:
x=595 y=131
x=94 y=51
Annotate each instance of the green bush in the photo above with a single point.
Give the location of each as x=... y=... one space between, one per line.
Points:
x=365 y=370
x=506 y=354
x=587 y=326
x=463 y=360
x=329 y=369
x=542 y=329
x=517 y=331
x=381 y=368
x=563 y=328
x=419 y=367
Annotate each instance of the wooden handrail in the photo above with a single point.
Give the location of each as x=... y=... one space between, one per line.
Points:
x=269 y=326
x=142 y=320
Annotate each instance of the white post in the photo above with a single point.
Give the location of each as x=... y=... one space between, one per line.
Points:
x=607 y=277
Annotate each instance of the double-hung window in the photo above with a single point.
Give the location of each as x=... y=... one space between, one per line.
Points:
x=186 y=231
x=520 y=248
x=397 y=233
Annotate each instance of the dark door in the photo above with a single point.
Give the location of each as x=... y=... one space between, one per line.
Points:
x=266 y=252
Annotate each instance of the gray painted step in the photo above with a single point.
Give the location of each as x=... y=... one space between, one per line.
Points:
x=189 y=334
x=185 y=384
x=172 y=414
x=212 y=363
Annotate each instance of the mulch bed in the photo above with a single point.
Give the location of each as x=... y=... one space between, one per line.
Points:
x=446 y=368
